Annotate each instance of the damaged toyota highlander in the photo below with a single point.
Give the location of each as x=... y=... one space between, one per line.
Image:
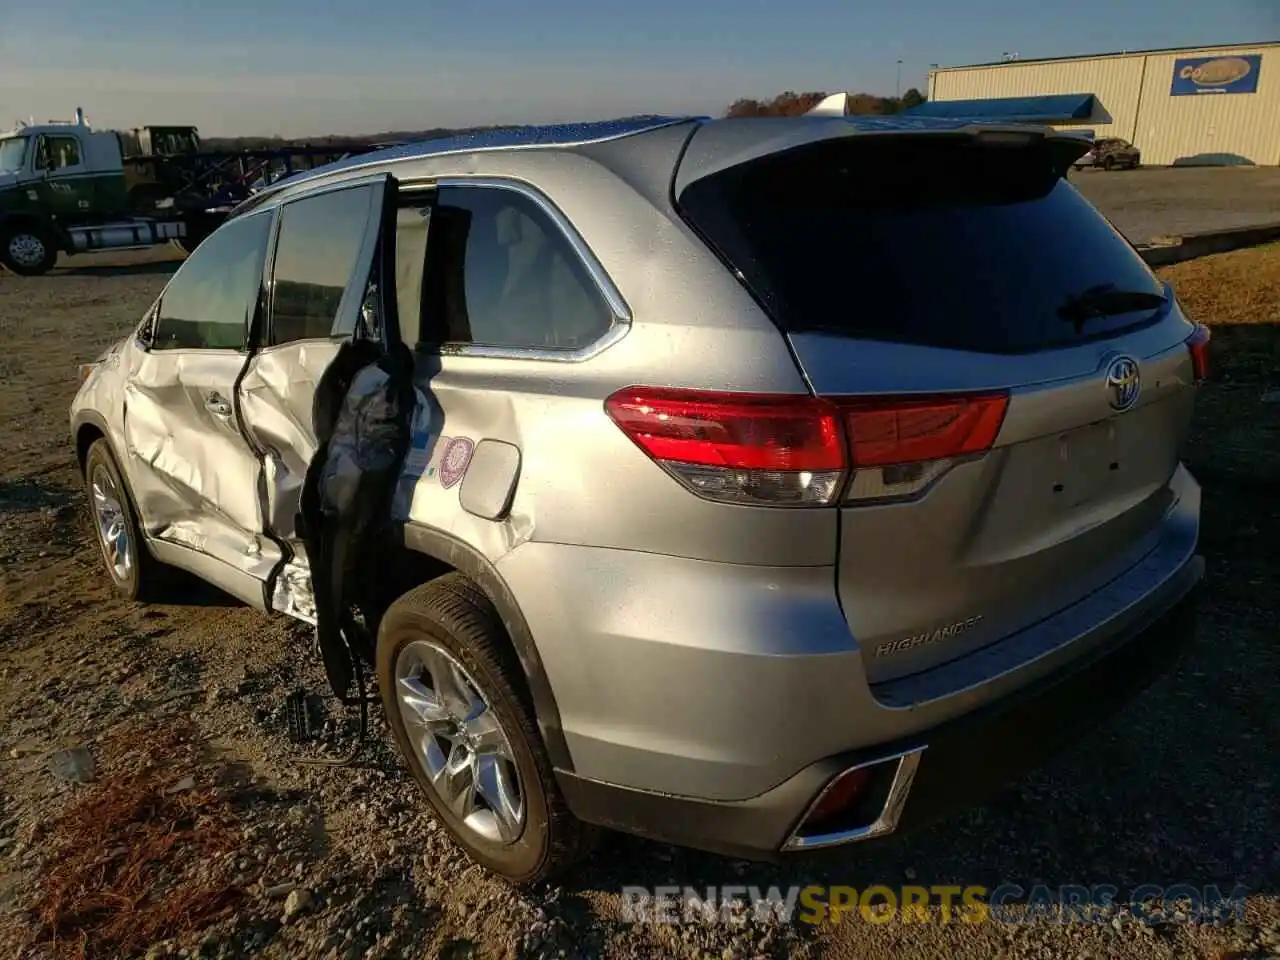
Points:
x=754 y=485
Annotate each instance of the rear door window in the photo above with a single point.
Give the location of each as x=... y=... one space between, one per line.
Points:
x=320 y=242
x=500 y=273
x=935 y=240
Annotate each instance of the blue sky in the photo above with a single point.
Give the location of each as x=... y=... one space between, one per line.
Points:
x=307 y=67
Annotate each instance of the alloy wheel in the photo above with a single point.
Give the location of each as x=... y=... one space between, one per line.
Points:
x=460 y=742
x=112 y=524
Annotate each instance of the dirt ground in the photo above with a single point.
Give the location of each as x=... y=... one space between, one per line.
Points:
x=1160 y=201
x=198 y=830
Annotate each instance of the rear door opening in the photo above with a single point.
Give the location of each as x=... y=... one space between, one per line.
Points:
x=1014 y=381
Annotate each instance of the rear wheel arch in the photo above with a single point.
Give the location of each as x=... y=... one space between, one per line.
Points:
x=454 y=554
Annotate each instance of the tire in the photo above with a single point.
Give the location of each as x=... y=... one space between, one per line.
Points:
x=142 y=577
x=27 y=250
x=1109 y=164
x=452 y=615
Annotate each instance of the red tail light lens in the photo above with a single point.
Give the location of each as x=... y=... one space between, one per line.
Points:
x=1198 y=344
x=761 y=449
x=900 y=430
x=778 y=450
x=746 y=430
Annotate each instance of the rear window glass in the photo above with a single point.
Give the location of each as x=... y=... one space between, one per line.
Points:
x=932 y=240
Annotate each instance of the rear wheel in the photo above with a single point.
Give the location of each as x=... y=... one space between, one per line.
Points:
x=27 y=250
x=1109 y=164
x=134 y=573
x=456 y=701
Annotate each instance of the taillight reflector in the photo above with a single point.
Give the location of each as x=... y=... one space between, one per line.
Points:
x=770 y=449
x=841 y=794
x=897 y=430
x=1198 y=344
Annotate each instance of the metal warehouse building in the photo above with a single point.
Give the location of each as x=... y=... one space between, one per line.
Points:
x=1206 y=105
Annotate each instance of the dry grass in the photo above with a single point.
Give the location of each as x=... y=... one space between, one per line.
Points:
x=133 y=861
x=1236 y=435
x=1241 y=287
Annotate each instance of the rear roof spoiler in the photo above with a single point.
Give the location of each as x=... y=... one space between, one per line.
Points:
x=720 y=144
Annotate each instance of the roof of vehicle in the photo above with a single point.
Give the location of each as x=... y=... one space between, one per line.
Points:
x=720 y=142
x=558 y=135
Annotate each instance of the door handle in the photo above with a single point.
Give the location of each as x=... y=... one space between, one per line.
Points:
x=218 y=405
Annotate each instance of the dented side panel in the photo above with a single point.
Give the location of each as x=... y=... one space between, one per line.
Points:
x=276 y=397
x=193 y=475
x=458 y=411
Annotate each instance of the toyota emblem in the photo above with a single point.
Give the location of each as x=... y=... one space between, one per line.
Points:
x=1124 y=383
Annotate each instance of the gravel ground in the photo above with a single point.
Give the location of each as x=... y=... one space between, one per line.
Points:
x=199 y=831
x=1160 y=201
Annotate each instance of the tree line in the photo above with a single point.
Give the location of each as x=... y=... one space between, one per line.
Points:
x=792 y=104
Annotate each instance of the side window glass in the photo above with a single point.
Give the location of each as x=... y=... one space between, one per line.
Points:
x=501 y=273
x=209 y=303
x=320 y=241
x=59 y=152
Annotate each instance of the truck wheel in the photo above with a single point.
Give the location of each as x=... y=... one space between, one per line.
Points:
x=135 y=574
x=27 y=250
x=456 y=700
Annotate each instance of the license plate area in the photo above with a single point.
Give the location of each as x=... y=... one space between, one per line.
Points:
x=1091 y=462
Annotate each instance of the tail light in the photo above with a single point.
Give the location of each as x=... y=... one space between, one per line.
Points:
x=901 y=446
x=779 y=450
x=1198 y=344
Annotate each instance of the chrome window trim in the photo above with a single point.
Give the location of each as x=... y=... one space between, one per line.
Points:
x=613 y=299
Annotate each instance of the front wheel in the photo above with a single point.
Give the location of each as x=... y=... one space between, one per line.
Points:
x=456 y=700
x=134 y=573
x=27 y=250
x=1109 y=164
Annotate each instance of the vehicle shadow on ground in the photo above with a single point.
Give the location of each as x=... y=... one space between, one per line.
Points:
x=22 y=496
x=183 y=589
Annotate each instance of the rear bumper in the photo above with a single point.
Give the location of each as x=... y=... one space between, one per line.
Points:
x=948 y=766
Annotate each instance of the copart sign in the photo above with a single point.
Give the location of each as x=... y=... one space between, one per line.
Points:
x=1234 y=74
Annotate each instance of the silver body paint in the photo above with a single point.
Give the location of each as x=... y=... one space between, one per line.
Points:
x=693 y=648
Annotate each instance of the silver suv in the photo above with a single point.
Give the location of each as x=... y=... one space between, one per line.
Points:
x=756 y=485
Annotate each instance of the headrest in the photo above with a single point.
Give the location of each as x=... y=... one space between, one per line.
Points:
x=510 y=226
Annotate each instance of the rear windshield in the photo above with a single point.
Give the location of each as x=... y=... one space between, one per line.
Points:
x=934 y=240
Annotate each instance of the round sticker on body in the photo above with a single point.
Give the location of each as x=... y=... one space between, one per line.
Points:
x=455 y=460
